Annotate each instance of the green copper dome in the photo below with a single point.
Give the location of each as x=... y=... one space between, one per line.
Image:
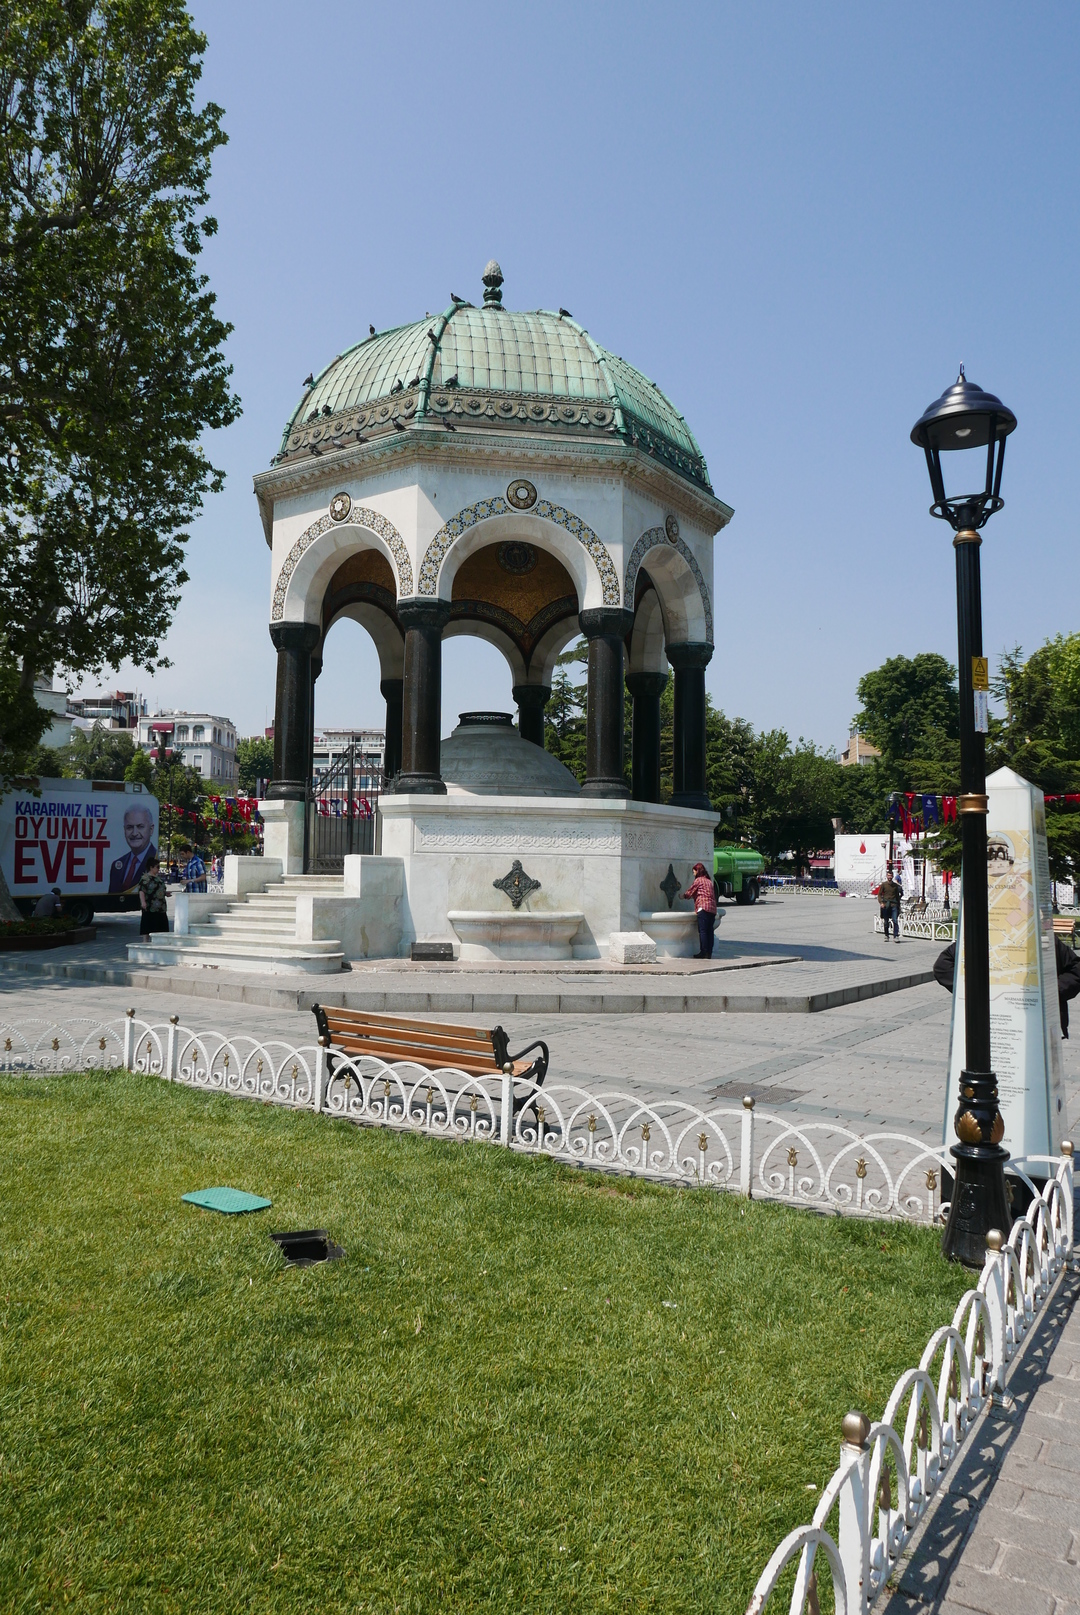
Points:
x=538 y=373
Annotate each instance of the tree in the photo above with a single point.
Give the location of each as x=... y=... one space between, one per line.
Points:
x=1040 y=737
x=911 y=711
x=100 y=754
x=564 y=716
x=179 y=790
x=111 y=363
x=140 y=770
x=254 y=761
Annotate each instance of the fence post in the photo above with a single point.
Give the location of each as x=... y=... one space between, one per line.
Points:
x=129 y=1041
x=994 y=1285
x=320 y=1073
x=506 y=1120
x=171 y=1048
x=1070 y=1170
x=855 y=1511
x=746 y=1148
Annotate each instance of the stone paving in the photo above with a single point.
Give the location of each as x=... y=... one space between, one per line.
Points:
x=1005 y=1538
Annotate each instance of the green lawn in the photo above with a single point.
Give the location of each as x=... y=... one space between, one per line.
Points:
x=486 y=1406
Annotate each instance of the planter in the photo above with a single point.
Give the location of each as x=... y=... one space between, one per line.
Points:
x=48 y=939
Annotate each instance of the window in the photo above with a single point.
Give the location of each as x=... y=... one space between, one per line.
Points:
x=181 y=731
x=198 y=733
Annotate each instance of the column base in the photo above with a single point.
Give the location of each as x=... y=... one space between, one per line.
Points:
x=418 y=785
x=692 y=799
x=286 y=790
x=606 y=787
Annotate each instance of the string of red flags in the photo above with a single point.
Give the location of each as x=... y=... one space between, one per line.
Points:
x=336 y=807
x=913 y=813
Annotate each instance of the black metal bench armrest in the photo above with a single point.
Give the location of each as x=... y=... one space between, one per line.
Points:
x=320 y=1021
x=540 y=1064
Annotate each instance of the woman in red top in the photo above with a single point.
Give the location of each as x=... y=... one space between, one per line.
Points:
x=702 y=890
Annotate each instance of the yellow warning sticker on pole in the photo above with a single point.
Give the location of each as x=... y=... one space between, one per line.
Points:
x=980 y=672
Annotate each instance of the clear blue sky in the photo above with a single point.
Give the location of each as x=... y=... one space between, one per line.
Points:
x=797 y=219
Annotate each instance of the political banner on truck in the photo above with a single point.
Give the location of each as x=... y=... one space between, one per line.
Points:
x=87 y=837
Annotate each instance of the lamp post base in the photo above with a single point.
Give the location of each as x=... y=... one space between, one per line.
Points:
x=979 y=1202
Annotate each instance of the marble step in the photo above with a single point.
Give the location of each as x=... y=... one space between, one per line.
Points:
x=269 y=957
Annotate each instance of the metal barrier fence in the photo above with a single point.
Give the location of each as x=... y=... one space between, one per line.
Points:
x=816 y=1164
x=890 y=1471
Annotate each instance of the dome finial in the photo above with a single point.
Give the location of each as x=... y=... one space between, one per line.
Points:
x=493 y=279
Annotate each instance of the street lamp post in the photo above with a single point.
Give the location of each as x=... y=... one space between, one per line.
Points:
x=965 y=417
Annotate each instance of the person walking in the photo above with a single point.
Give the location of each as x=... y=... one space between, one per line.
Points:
x=703 y=892
x=889 y=895
x=195 y=872
x=152 y=899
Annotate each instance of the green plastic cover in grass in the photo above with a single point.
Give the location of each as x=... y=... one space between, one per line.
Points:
x=230 y=1201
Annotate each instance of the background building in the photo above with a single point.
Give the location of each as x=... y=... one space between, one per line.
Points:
x=370 y=749
x=204 y=741
x=858 y=750
x=112 y=709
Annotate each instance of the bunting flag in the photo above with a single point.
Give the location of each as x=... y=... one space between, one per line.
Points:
x=948 y=810
x=930 y=810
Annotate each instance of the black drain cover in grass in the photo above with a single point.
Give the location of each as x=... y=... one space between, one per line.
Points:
x=307 y=1246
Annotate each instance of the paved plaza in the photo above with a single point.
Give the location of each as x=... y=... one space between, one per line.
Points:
x=878 y=1062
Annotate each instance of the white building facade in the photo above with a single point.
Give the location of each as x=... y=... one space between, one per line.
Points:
x=204 y=741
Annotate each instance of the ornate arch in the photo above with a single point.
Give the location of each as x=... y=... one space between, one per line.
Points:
x=356 y=516
x=649 y=540
x=452 y=530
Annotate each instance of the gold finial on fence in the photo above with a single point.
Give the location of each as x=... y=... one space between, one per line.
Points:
x=924 y=1427
x=703 y=1142
x=101 y=1042
x=749 y=1101
x=644 y=1132
x=174 y=1020
x=131 y=1014
x=860 y=1167
x=812 y=1605
x=792 y=1156
x=259 y=1067
x=1066 y=1146
x=885 y=1489
x=931 y=1180
x=994 y=1239
x=474 y=1102
x=56 y=1045
x=592 y=1124
x=855 y=1428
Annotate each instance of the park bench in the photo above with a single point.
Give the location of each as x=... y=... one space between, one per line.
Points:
x=1065 y=926
x=476 y=1051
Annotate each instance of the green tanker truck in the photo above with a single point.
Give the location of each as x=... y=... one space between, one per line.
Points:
x=736 y=871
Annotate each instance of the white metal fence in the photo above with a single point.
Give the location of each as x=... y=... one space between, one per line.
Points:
x=889 y=1471
x=754 y=1152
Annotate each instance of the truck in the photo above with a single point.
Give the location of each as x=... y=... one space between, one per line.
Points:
x=90 y=838
x=736 y=871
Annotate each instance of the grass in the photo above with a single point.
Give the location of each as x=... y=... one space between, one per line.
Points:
x=525 y=1388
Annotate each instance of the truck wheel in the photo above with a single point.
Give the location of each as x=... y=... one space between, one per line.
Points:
x=743 y=896
x=754 y=891
x=80 y=911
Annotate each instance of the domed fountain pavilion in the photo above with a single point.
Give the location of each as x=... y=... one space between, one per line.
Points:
x=500 y=474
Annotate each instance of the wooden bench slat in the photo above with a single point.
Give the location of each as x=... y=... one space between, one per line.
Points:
x=357 y=1017
x=378 y=1034
x=414 y=1057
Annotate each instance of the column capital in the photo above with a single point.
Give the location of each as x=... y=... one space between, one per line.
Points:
x=420 y=612
x=537 y=695
x=689 y=653
x=298 y=636
x=606 y=622
x=646 y=683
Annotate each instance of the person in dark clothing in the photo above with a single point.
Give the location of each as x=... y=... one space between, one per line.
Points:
x=1068 y=975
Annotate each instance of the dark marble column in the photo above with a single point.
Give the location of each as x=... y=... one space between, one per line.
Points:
x=605 y=627
x=689 y=661
x=646 y=689
x=421 y=703
x=294 y=642
x=391 y=692
x=531 y=700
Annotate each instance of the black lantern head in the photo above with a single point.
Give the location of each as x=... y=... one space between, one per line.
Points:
x=965 y=417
